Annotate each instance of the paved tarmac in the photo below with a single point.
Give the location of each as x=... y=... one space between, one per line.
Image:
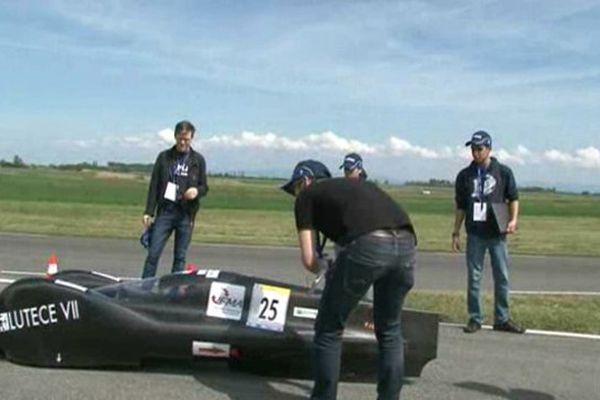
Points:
x=486 y=365
x=437 y=271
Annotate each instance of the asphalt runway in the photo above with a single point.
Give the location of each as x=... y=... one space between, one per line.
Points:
x=436 y=271
x=486 y=365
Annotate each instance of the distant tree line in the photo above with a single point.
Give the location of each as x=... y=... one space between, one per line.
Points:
x=537 y=189
x=16 y=163
x=232 y=174
x=431 y=182
x=110 y=166
x=113 y=166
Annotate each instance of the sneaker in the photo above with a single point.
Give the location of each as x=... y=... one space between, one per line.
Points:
x=472 y=327
x=509 y=326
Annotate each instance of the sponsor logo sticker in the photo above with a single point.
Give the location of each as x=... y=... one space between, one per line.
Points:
x=209 y=273
x=210 y=349
x=301 y=312
x=225 y=301
x=213 y=273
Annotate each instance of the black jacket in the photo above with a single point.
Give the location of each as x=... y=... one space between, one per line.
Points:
x=161 y=173
x=499 y=187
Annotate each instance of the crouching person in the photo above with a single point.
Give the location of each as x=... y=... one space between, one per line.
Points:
x=378 y=243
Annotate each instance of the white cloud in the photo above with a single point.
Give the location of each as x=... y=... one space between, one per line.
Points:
x=140 y=141
x=588 y=157
x=273 y=145
x=167 y=135
x=328 y=141
x=510 y=157
x=265 y=141
x=401 y=147
x=331 y=141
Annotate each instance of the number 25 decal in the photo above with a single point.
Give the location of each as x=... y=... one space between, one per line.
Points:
x=270 y=309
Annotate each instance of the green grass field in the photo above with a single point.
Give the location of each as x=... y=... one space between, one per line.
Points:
x=255 y=211
x=559 y=313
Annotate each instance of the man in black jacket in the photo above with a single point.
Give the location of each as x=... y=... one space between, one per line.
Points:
x=178 y=182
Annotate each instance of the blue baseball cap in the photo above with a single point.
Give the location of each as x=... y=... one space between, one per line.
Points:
x=480 y=138
x=311 y=168
x=352 y=161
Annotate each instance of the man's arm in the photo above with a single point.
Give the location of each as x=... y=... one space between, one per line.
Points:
x=151 y=199
x=199 y=187
x=512 y=195
x=203 y=182
x=461 y=204
x=513 y=214
x=306 y=238
x=459 y=217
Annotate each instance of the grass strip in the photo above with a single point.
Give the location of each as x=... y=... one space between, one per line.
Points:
x=579 y=314
x=537 y=235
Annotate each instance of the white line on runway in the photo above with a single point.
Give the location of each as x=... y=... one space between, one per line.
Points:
x=536 y=332
x=22 y=273
x=553 y=293
x=8 y=281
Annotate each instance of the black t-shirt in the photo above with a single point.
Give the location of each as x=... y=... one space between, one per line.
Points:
x=344 y=209
x=499 y=187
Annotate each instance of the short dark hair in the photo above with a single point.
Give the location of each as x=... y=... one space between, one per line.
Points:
x=186 y=126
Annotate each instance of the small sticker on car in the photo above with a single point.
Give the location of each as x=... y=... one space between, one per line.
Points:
x=301 y=312
x=210 y=349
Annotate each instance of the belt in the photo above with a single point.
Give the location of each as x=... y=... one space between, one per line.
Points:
x=390 y=233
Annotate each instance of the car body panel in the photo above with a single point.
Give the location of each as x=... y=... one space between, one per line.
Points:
x=85 y=319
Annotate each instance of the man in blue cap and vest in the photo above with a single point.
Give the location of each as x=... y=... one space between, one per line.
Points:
x=378 y=248
x=353 y=167
x=487 y=201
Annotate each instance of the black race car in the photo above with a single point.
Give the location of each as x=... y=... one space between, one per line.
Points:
x=88 y=319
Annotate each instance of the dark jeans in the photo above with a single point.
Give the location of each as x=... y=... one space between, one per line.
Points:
x=476 y=249
x=387 y=264
x=170 y=218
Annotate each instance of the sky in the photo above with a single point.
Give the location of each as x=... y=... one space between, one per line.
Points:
x=269 y=83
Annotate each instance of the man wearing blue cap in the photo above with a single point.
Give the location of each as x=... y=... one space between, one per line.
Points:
x=378 y=248
x=353 y=167
x=487 y=200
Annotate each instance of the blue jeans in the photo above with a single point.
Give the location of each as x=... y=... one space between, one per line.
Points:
x=476 y=248
x=170 y=218
x=387 y=264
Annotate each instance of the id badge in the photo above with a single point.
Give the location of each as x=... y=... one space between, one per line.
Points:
x=171 y=191
x=479 y=211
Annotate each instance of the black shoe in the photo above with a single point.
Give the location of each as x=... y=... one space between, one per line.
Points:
x=472 y=327
x=509 y=326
